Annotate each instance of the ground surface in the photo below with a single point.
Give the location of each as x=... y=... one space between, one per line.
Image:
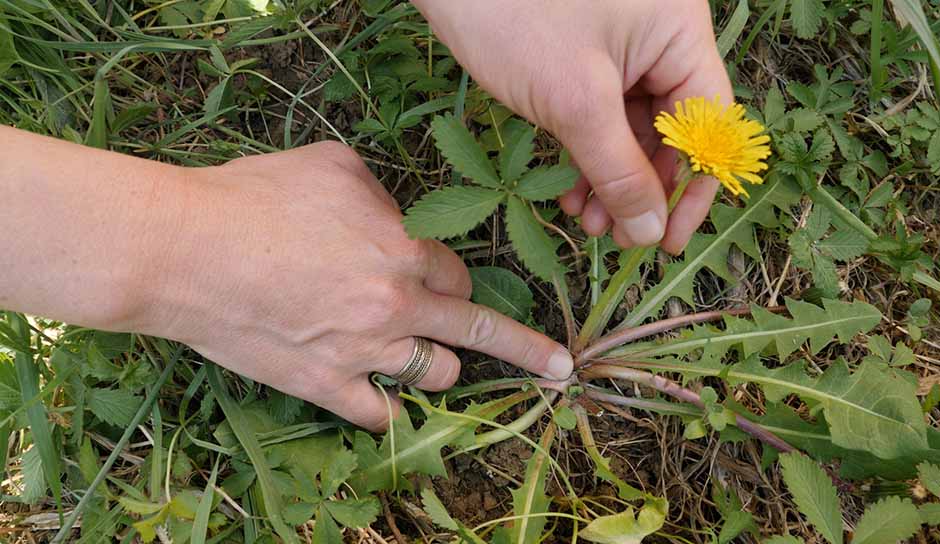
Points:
x=169 y=91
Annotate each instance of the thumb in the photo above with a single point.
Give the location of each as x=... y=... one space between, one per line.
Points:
x=610 y=157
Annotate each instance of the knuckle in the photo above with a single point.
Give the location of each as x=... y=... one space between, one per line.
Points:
x=482 y=328
x=339 y=153
x=388 y=301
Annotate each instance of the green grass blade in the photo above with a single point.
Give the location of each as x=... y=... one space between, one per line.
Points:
x=235 y=417
x=201 y=523
x=734 y=28
x=27 y=371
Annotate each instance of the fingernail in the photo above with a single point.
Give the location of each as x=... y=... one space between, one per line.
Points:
x=646 y=229
x=560 y=365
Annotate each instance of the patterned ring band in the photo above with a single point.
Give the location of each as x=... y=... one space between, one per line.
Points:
x=418 y=365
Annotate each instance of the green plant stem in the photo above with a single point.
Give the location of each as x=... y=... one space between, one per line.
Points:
x=601 y=313
x=671 y=388
x=144 y=409
x=519 y=425
x=821 y=196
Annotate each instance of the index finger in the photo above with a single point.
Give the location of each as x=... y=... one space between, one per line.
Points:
x=460 y=323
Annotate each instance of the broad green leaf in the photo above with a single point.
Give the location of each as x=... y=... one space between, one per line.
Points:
x=806 y=16
x=462 y=151
x=534 y=247
x=299 y=512
x=733 y=226
x=114 y=406
x=625 y=527
x=546 y=182
x=734 y=524
x=787 y=539
x=339 y=467
x=929 y=476
x=516 y=154
x=88 y=463
x=451 y=211
x=814 y=494
x=502 y=290
x=929 y=513
x=733 y=29
x=248 y=441
x=891 y=519
x=354 y=512
x=436 y=510
x=844 y=245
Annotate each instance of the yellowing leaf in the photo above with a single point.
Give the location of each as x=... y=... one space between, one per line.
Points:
x=625 y=527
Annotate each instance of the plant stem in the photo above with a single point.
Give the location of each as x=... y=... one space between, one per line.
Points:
x=142 y=411
x=507 y=383
x=564 y=299
x=622 y=336
x=601 y=313
x=518 y=425
x=671 y=388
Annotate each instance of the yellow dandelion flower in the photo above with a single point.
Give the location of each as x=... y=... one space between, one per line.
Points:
x=717 y=141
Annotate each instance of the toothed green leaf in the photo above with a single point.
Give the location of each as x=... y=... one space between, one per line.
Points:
x=546 y=182
x=462 y=151
x=814 y=494
x=891 y=519
x=533 y=245
x=451 y=211
x=518 y=146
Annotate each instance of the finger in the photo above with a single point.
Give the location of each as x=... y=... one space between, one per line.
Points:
x=444 y=371
x=594 y=219
x=361 y=403
x=446 y=273
x=614 y=162
x=689 y=213
x=572 y=202
x=460 y=323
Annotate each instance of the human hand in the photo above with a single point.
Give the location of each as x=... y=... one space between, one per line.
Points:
x=294 y=270
x=595 y=74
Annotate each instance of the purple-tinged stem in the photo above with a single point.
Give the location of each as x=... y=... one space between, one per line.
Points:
x=622 y=336
x=673 y=389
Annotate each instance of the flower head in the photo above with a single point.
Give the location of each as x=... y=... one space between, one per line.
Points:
x=717 y=141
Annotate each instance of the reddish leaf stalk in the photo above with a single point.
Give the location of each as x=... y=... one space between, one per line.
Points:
x=619 y=337
x=673 y=389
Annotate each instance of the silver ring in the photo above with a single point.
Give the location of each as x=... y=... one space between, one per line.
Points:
x=418 y=365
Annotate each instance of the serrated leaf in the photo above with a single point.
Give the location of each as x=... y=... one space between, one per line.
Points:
x=325 y=530
x=929 y=476
x=354 y=512
x=436 y=509
x=339 y=467
x=518 y=146
x=114 y=406
x=285 y=408
x=806 y=16
x=889 y=520
x=929 y=513
x=809 y=323
x=844 y=245
x=625 y=527
x=502 y=291
x=814 y=494
x=546 y=182
x=34 y=480
x=415 y=451
x=534 y=247
x=805 y=119
x=734 y=226
x=462 y=151
x=734 y=524
x=451 y=211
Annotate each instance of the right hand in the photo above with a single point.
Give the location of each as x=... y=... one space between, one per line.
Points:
x=294 y=270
